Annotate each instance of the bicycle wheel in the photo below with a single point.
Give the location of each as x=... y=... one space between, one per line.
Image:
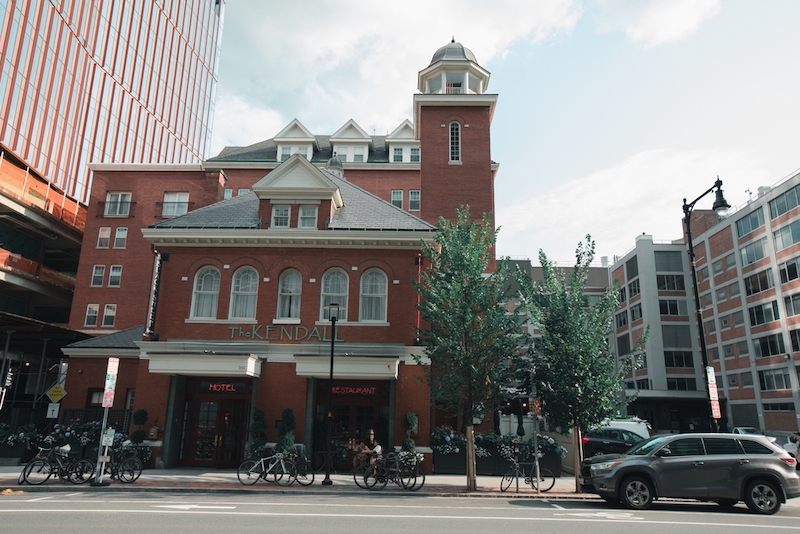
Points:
x=507 y=479
x=250 y=471
x=546 y=480
x=358 y=475
x=130 y=469
x=407 y=477
x=285 y=473
x=305 y=474
x=375 y=477
x=37 y=471
x=82 y=471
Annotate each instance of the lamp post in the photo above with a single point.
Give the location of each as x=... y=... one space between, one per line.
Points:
x=333 y=311
x=720 y=206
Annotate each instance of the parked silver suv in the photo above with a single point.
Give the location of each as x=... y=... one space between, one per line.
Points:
x=725 y=468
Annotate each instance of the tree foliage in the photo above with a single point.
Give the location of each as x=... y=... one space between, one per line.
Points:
x=580 y=382
x=470 y=339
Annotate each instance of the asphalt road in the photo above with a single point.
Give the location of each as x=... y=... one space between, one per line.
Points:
x=138 y=512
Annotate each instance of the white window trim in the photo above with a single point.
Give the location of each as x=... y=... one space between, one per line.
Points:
x=288 y=215
x=301 y=217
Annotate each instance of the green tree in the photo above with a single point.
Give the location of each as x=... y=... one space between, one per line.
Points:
x=470 y=338
x=580 y=383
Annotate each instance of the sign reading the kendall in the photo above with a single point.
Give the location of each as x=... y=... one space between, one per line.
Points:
x=271 y=332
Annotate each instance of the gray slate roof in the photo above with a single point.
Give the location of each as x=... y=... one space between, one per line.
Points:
x=323 y=151
x=124 y=339
x=361 y=211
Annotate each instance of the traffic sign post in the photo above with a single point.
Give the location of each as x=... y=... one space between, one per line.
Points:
x=107 y=434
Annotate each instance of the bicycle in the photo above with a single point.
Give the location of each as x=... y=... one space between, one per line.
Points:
x=123 y=465
x=405 y=473
x=305 y=471
x=545 y=482
x=279 y=466
x=55 y=461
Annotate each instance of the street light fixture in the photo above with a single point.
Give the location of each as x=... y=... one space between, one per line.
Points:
x=721 y=207
x=333 y=312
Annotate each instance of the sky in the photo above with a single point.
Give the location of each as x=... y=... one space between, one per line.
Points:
x=610 y=112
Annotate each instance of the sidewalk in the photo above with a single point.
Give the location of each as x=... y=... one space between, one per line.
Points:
x=193 y=479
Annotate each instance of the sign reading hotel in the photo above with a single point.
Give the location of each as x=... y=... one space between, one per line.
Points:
x=271 y=332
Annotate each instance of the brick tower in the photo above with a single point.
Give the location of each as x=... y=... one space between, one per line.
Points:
x=452 y=119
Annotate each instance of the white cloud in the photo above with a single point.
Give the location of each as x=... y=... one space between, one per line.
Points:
x=642 y=194
x=653 y=22
x=325 y=64
x=237 y=123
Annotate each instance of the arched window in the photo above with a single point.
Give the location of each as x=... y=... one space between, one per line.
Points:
x=455 y=141
x=373 y=296
x=334 y=291
x=205 y=294
x=244 y=294
x=289 y=290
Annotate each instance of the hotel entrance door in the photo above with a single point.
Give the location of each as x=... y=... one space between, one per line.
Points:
x=215 y=422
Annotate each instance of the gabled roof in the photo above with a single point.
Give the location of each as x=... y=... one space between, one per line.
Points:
x=267 y=151
x=240 y=212
x=124 y=339
x=294 y=132
x=296 y=178
x=350 y=132
x=360 y=209
x=404 y=132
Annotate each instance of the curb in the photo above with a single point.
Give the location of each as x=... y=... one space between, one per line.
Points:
x=434 y=491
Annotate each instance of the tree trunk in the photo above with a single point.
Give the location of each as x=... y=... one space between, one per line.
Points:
x=578 y=456
x=472 y=481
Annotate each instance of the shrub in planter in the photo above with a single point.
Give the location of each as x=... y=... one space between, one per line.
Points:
x=286 y=425
x=137 y=436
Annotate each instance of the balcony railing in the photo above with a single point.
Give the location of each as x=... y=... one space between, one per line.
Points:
x=31 y=190
x=16 y=263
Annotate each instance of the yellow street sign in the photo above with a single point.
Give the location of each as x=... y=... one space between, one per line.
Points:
x=56 y=393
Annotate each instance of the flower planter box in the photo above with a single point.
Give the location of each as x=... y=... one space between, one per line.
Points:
x=456 y=464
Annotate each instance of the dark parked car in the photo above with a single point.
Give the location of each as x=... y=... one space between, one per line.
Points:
x=724 y=468
x=608 y=440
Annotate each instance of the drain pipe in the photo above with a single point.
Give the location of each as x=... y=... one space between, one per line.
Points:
x=149 y=331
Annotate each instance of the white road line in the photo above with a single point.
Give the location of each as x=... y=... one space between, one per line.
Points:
x=747 y=527
x=556 y=506
x=39 y=499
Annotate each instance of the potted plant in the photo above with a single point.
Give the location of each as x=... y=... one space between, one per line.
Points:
x=139 y=419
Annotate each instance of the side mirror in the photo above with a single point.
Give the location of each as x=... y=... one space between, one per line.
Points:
x=664 y=452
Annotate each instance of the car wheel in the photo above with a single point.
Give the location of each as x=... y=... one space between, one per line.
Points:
x=726 y=503
x=598 y=452
x=637 y=493
x=761 y=497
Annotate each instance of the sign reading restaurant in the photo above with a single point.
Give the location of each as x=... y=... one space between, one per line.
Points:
x=270 y=332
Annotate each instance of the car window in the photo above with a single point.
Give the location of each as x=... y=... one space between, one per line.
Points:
x=614 y=434
x=722 y=446
x=633 y=437
x=754 y=447
x=648 y=446
x=686 y=447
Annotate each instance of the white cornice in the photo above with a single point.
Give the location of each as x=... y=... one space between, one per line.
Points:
x=359 y=239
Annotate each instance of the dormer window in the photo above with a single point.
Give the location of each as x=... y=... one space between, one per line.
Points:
x=308 y=216
x=280 y=216
x=398 y=155
x=358 y=154
x=414 y=155
x=303 y=151
x=285 y=153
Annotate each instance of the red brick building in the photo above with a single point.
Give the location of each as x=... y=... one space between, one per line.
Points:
x=216 y=283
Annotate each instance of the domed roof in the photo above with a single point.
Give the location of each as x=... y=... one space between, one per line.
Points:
x=453 y=51
x=335 y=165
